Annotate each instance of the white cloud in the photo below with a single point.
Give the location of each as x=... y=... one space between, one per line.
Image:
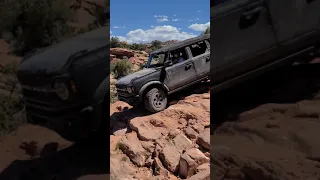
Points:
x=199 y=27
x=110 y=32
x=161 y=33
x=174 y=15
x=161 y=18
x=175 y=20
x=199 y=11
x=119 y=27
x=190 y=20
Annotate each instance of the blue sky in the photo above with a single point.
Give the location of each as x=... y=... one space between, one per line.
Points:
x=141 y=21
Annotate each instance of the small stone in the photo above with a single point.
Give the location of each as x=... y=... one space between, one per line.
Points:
x=149 y=162
x=191 y=133
x=203 y=167
x=182 y=142
x=198 y=128
x=148 y=145
x=159 y=169
x=120 y=132
x=173 y=133
x=157 y=151
x=202 y=175
x=161 y=142
x=207 y=154
x=157 y=122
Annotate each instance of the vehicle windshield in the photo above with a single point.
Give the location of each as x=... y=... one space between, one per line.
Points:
x=156 y=60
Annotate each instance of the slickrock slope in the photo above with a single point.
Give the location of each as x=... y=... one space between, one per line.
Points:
x=276 y=132
x=171 y=144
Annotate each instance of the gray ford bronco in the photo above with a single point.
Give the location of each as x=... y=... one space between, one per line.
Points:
x=252 y=37
x=65 y=86
x=168 y=70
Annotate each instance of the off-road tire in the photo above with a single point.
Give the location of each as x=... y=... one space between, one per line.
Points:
x=155 y=100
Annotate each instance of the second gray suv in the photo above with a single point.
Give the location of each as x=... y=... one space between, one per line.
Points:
x=168 y=70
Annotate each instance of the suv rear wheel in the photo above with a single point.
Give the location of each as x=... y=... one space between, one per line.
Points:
x=155 y=100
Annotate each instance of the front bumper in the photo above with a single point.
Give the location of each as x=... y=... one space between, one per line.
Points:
x=63 y=118
x=131 y=100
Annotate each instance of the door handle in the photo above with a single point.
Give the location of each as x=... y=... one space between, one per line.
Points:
x=187 y=67
x=249 y=18
x=207 y=59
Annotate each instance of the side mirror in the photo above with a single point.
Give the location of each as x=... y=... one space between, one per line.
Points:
x=167 y=63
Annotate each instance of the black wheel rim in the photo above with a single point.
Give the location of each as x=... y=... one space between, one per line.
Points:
x=158 y=100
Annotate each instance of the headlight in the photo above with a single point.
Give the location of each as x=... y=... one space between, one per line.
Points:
x=61 y=90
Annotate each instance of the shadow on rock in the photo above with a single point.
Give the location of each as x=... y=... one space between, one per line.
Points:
x=119 y=121
x=70 y=163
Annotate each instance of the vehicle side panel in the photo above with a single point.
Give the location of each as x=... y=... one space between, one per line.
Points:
x=237 y=49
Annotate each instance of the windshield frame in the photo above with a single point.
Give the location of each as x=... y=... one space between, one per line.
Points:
x=148 y=65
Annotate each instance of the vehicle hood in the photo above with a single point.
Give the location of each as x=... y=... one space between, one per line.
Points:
x=127 y=79
x=53 y=59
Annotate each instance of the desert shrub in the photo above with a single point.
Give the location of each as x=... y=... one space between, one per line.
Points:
x=9 y=68
x=207 y=31
x=121 y=68
x=34 y=24
x=137 y=47
x=156 y=45
x=9 y=107
x=114 y=42
x=113 y=95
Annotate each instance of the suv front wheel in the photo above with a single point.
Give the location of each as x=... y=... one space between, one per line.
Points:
x=155 y=100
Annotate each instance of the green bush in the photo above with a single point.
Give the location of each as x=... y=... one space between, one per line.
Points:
x=8 y=108
x=137 y=47
x=113 y=95
x=114 y=42
x=156 y=45
x=121 y=68
x=35 y=23
x=207 y=31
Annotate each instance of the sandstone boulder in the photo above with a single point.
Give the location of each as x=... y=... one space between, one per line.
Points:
x=204 y=139
x=121 y=52
x=132 y=147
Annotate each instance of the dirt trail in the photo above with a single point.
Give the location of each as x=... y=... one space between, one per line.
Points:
x=33 y=152
x=272 y=128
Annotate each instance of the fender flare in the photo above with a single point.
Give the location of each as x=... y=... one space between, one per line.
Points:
x=144 y=87
x=101 y=92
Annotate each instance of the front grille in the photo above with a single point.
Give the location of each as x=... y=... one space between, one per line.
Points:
x=42 y=101
x=45 y=97
x=123 y=92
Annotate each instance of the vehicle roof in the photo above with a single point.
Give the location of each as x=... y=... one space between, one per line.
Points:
x=63 y=50
x=182 y=43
